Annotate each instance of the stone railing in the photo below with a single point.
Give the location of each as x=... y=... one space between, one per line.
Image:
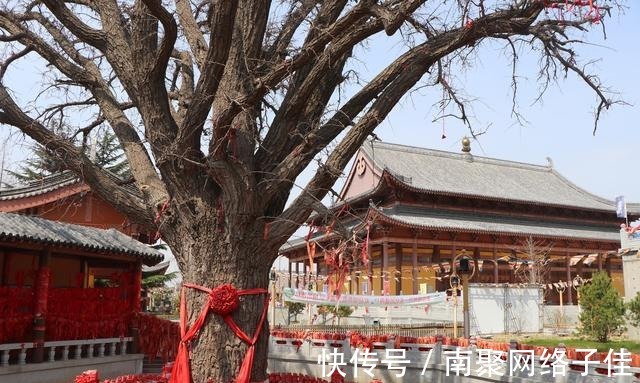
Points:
x=16 y=353
x=432 y=361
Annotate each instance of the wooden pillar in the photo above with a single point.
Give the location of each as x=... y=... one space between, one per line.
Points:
x=384 y=270
x=414 y=265
x=398 y=268
x=599 y=262
x=41 y=287
x=4 y=277
x=496 y=269
x=297 y=275
x=435 y=259
x=290 y=274
x=607 y=264
x=569 y=280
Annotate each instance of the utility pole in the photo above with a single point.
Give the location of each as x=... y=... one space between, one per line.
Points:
x=465 y=304
x=466 y=273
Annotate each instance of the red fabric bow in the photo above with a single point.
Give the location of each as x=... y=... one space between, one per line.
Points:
x=223 y=300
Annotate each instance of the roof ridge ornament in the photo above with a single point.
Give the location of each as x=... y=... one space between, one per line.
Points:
x=466 y=149
x=549 y=163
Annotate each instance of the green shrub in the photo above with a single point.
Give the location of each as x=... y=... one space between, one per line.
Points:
x=602 y=309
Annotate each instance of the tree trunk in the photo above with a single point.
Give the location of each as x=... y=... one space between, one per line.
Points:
x=210 y=258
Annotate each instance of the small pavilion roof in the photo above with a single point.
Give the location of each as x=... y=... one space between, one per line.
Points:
x=459 y=174
x=16 y=227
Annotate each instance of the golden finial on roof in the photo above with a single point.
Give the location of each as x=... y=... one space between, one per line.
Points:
x=466 y=145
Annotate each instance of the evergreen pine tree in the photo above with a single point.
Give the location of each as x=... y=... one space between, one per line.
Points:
x=602 y=308
x=44 y=162
x=110 y=156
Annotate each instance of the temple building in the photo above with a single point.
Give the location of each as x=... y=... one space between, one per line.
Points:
x=63 y=197
x=69 y=294
x=517 y=222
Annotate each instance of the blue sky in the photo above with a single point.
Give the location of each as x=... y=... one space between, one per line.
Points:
x=560 y=127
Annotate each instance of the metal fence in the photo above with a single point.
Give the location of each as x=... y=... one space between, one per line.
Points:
x=417 y=330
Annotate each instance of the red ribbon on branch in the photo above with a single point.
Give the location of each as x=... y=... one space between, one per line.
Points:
x=223 y=301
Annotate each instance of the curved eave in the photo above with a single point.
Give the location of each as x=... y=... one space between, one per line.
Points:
x=378 y=215
x=147 y=258
x=17 y=203
x=34 y=190
x=387 y=175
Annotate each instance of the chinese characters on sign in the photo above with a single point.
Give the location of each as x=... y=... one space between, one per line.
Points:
x=485 y=362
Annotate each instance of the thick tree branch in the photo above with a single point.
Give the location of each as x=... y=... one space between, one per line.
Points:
x=169 y=39
x=192 y=32
x=76 y=160
x=278 y=50
x=418 y=61
x=287 y=66
x=223 y=15
x=282 y=137
x=95 y=38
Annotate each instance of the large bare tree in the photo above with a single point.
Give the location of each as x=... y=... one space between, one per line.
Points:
x=221 y=104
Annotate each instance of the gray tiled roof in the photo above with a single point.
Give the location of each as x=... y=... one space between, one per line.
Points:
x=32 y=229
x=51 y=183
x=457 y=174
x=45 y=185
x=492 y=224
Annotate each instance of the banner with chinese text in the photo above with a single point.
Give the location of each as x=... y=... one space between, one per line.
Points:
x=322 y=298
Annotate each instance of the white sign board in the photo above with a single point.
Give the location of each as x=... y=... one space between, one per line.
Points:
x=499 y=309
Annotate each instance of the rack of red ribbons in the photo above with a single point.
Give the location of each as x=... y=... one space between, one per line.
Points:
x=16 y=313
x=91 y=376
x=77 y=313
x=158 y=337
